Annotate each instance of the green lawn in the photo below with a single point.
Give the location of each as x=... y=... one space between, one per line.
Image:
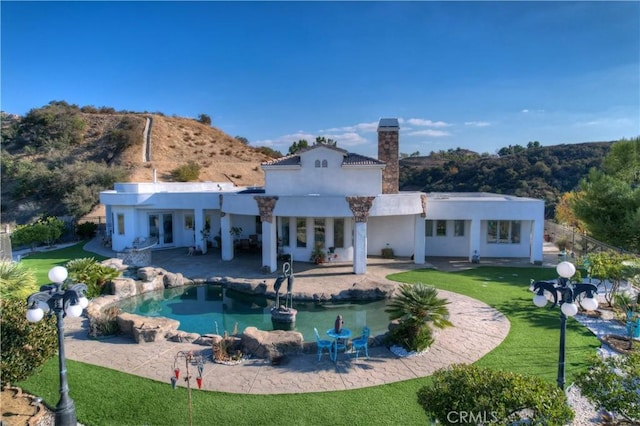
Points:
x=107 y=397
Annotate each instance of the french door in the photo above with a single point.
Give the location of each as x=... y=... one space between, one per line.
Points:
x=161 y=227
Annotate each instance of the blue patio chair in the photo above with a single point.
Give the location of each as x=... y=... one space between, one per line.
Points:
x=322 y=344
x=362 y=342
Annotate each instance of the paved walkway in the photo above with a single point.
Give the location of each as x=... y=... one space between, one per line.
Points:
x=478 y=329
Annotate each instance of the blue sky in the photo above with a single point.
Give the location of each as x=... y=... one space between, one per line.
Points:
x=475 y=75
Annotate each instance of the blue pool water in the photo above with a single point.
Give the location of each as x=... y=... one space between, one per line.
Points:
x=213 y=309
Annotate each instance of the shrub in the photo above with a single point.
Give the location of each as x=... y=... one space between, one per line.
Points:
x=16 y=281
x=204 y=119
x=614 y=383
x=26 y=346
x=106 y=324
x=43 y=231
x=418 y=308
x=88 y=271
x=86 y=230
x=466 y=394
x=187 y=172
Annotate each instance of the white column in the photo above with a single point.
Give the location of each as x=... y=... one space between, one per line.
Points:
x=225 y=237
x=419 y=240
x=269 y=245
x=474 y=238
x=536 y=241
x=198 y=219
x=360 y=249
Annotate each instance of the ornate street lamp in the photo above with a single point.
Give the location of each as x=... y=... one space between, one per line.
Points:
x=54 y=299
x=565 y=294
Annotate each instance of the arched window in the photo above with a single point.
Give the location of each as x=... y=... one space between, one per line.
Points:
x=324 y=163
x=317 y=163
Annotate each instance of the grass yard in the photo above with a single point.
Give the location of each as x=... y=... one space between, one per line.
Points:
x=108 y=397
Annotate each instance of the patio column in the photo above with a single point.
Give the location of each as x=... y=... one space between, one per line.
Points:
x=225 y=236
x=266 y=205
x=419 y=240
x=537 y=242
x=198 y=219
x=474 y=238
x=360 y=207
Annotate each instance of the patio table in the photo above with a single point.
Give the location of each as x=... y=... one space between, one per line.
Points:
x=343 y=335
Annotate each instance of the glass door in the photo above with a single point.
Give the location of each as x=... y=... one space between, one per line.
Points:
x=161 y=228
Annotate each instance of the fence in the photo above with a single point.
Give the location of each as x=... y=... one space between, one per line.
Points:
x=575 y=241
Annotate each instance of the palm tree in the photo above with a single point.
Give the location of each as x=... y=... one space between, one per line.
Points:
x=95 y=275
x=16 y=281
x=417 y=308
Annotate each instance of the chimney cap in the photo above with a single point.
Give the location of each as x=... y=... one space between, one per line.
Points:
x=388 y=124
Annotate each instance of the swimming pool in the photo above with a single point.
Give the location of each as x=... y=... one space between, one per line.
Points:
x=209 y=309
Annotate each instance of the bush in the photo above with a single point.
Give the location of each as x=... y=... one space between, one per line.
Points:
x=88 y=271
x=86 y=230
x=204 y=119
x=26 y=346
x=187 y=172
x=43 y=231
x=466 y=394
x=614 y=383
x=106 y=324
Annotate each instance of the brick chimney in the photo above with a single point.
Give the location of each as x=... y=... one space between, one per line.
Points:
x=388 y=148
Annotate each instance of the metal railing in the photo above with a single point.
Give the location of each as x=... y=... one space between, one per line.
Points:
x=577 y=242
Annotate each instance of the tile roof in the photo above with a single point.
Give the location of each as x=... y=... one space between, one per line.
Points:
x=350 y=159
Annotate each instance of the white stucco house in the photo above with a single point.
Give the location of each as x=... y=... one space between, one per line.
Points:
x=325 y=198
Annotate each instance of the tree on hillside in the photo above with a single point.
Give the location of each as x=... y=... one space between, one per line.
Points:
x=564 y=213
x=297 y=146
x=204 y=119
x=609 y=201
x=325 y=141
x=242 y=139
x=54 y=126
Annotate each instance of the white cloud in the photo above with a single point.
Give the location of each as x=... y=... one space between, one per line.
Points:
x=525 y=111
x=427 y=123
x=360 y=127
x=429 y=132
x=477 y=123
x=282 y=143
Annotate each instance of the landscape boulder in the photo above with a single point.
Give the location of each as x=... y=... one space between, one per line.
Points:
x=146 y=329
x=271 y=344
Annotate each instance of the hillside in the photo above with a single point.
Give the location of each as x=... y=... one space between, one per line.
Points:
x=544 y=172
x=61 y=142
x=57 y=159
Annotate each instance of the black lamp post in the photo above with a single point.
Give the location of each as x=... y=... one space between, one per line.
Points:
x=564 y=293
x=53 y=299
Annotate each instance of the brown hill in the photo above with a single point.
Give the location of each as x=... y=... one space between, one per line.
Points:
x=175 y=141
x=52 y=139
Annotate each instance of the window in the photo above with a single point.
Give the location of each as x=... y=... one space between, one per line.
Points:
x=338 y=233
x=285 y=231
x=492 y=231
x=441 y=228
x=120 y=224
x=428 y=228
x=317 y=163
x=503 y=231
x=515 y=232
x=324 y=163
x=301 y=232
x=188 y=221
x=458 y=228
x=318 y=231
